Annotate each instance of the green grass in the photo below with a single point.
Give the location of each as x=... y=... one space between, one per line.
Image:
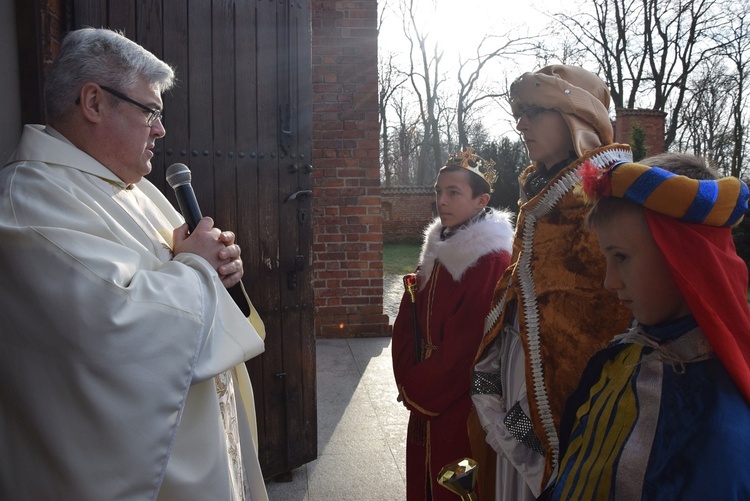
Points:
x=399 y=259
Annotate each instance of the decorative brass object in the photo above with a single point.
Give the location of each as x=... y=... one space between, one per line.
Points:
x=460 y=477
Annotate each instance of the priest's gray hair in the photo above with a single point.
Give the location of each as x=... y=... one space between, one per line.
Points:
x=104 y=57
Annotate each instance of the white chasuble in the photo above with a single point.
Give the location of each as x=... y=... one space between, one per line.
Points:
x=121 y=370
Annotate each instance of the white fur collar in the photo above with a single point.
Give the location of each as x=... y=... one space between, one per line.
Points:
x=462 y=250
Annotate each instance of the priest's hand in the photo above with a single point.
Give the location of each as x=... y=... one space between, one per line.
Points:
x=231 y=272
x=213 y=245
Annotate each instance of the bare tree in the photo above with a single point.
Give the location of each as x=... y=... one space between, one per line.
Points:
x=734 y=43
x=647 y=49
x=426 y=79
x=448 y=120
x=564 y=51
x=449 y=108
x=390 y=80
x=471 y=93
x=707 y=125
x=409 y=139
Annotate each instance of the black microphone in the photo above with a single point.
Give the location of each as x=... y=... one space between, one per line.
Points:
x=178 y=177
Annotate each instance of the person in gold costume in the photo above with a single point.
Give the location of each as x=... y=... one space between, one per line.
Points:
x=550 y=311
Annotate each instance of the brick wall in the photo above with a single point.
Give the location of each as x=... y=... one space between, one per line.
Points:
x=652 y=123
x=406 y=212
x=347 y=222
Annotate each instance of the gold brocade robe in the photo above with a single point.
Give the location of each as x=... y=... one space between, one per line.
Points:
x=556 y=281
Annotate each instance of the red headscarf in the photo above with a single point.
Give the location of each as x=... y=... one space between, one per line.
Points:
x=713 y=280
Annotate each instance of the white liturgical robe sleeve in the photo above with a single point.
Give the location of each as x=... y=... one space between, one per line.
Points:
x=102 y=340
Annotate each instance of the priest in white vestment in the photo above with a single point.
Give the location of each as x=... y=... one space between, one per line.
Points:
x=121 y=352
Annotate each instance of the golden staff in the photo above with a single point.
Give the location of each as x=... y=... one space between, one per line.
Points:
x=410 y=284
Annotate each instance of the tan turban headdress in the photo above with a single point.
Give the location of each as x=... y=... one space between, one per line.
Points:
x=579 y=95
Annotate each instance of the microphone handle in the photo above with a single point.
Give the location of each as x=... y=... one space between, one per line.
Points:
x=188 y=205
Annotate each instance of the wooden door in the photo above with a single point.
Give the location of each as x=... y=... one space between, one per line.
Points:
x=240 y=117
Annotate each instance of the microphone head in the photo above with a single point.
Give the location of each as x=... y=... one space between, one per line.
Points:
x=178 y=175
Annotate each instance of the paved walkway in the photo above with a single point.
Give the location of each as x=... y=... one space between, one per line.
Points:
x=361 y=428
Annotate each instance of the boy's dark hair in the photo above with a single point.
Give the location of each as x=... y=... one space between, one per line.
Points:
x=682 y=164
x=478 y=185
x=609 y=207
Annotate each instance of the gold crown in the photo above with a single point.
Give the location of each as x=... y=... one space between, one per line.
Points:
x=467 y=159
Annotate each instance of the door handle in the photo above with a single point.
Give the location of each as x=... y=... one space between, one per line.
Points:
x=302 y=194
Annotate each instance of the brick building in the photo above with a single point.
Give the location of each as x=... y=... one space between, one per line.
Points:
x=649 y=121
x=347 y=223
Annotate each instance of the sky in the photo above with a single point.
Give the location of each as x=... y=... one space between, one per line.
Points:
x=460 y=25
x=470 y=20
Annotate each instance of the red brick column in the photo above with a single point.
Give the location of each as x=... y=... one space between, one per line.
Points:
x=650 y=121
x=347 y=220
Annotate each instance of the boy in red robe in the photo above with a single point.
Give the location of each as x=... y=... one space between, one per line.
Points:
x=464 y=253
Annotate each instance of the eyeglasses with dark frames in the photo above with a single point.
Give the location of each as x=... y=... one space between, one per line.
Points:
x=531 y=113
x=153 y=114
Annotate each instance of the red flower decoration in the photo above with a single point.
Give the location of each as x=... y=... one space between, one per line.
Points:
x=595 y=182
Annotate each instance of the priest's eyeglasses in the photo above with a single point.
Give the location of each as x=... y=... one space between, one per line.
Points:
x=153 y=114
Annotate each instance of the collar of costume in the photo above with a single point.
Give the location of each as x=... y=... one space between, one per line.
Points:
x=691 y=221
x=447 y=232
x=671 y=330
x=488 y=232
x=689 y=344
x=540 y=177
x=83 y=161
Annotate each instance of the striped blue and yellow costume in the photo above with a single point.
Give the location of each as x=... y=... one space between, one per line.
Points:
x=664 y=412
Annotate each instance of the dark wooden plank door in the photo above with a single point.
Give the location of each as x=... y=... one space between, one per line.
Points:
x=240 y=117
